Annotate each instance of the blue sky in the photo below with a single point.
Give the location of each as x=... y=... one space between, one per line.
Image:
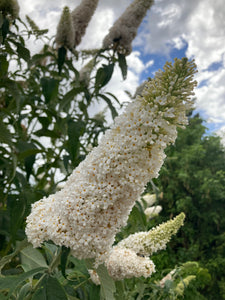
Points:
x=172 y=28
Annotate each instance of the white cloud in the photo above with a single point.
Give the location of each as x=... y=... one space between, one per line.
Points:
x=211 y=97
x=118 y=87
x=134 y=62
x=206 y=33
x=201 y=23
x=149 y=64
x=97 y=29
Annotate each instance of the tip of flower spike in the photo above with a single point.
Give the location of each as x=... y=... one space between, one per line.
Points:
x=171 y=91
x=179 y=220
x=180 y=217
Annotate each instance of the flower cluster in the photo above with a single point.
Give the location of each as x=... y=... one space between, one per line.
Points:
x=130 y=257
x=72 y=26
x=184 y=284
x=152 y=211
x=149 y=199
x=147 y=202
x=10 y=7
x=125 y=28
x=125 y=263
x=94 y=277
x=146 y=243
x=100 y=193
x=85 y=72
x=65 y=30
x=81 y=17
x=169 y=277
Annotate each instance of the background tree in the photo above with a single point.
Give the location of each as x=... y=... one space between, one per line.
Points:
x=193 y=181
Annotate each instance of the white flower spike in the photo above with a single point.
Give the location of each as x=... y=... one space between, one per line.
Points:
x=124 y=30
x=65 y=30
x=100 y=193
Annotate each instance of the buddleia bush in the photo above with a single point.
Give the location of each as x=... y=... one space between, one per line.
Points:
x=70 y=224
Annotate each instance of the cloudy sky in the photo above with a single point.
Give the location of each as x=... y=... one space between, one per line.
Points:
x=172 y=28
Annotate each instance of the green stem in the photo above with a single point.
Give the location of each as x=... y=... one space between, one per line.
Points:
x=80 y=284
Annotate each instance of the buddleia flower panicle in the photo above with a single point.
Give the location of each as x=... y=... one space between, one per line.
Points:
x=125 y=263
x=85 y=72
x=65 y=35
x=124 y=30
x=81 y=17
x=149 y=199
x=100 y=193
x=94 y=277
x=183 y=284
x=147 y=243
x=152 y=211
x=10 y=7
x=169 y=276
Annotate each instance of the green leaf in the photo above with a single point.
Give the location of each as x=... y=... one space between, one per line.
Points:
x=11 y=282
x=28 y=162
x=6 y=259
x=75 y=130
x=5 y=28
x=54 y=290
x=109 y=102
x=45 y=121
x=23 y=52
x=120 y=290
x=16 y=207
x=24 y=291
x=27 y=152
x=38 y=58
x=108 y=287
x=40 y=294
x=5 y=135
x=64 y=256
x=47 y=132
x=71 y=298
x=61 y=58
x=66 y=159
x=69 y=63
x=114 y=97
x=32 y=258
x=14 y=166
x=4 y=64
x=103 y=75
x=2 y=297
x=49 y=88
x=1 y=19
x=69 y=96
x=50 y=251
x=80 y=266
x=122 y=65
